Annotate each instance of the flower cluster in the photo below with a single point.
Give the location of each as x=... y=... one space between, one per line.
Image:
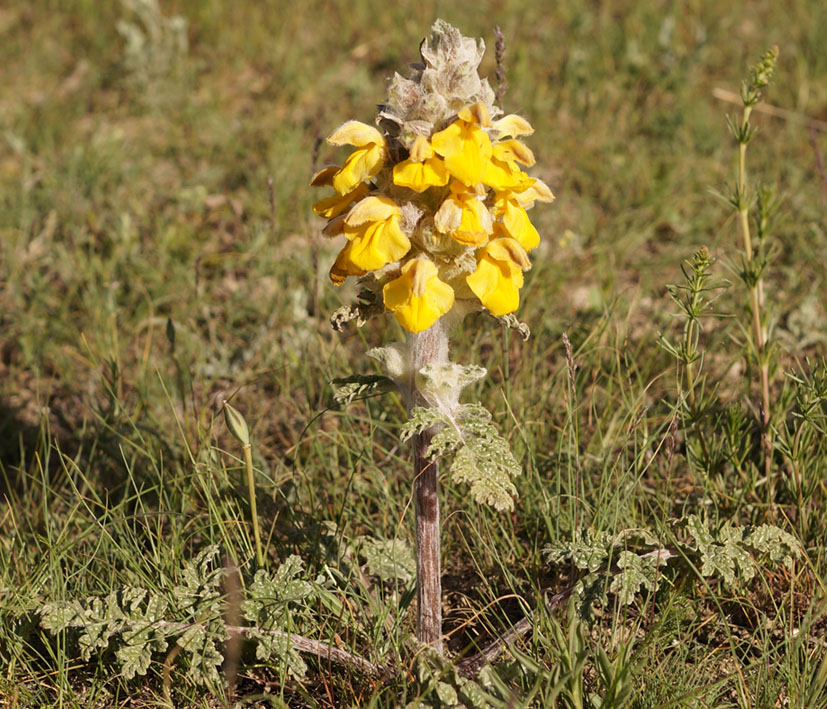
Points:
x=433 y=203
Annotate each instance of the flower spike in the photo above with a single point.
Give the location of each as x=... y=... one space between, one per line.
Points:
x=433 y=200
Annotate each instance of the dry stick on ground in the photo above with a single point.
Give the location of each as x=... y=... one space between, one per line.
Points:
x=471 y=666
x=298 y=642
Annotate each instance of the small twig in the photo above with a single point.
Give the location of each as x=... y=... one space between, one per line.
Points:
x=471 y=666
x=770 y=110
x=299 y=642
x=314 y=155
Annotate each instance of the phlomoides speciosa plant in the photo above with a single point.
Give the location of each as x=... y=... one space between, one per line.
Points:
x=432 y=204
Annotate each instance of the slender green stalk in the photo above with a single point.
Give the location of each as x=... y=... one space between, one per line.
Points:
x=750 y=95
x=238 y=427
x=251 y=488
x=756 y=289
x=691 y=341
x=695 y=297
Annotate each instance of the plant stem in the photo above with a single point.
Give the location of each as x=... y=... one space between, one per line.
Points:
x=251 y=487
x=428 y=570
x=756 y=293
x=689 y=371
x=428 y=347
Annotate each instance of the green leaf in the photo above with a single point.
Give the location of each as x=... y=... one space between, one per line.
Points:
x=201 y=583
x=421 y=419
x=272 y=603
x=360 y=386
x=271 y=646
x=589 y=551
x=724 y=554
x=204 y=658
x=636 y=572
x=270 y=596
x=60 y=615
x=144 y=638
x=102 y=621
x=482 y=458
x=389 y=559
x=778 y=545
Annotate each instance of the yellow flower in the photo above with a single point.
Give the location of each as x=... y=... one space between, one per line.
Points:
x=418 y=298
x=512 y=126
x=463 y=215
x=515 y=221
x=502 y=172
x=465 y=145
x=333 y=206
x=536 y=191
x=376 y=239
x=499 y=275
x=344 y=266
x=361 y=164
x=423 y=169
x=511 y=207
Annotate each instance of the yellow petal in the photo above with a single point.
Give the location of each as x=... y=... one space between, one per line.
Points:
x=518 y=226
x=508 y=251
x=537 y=190
x=465 y=218
x=418 y=298
x=355 y=133
x=478 y=113
x=450 y=140
x=496 y=286
x=466 y=148
x=421 y=149
x=377 y=244
x=344 y=266
x=361 y=164
x=449 y=215
x=324 y=177
x=505 y=176
x=514 y=150
x=333 y=206
x=372 y=209
x=419 y=176
x=513 y=125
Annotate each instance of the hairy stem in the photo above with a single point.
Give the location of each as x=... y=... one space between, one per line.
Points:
x=428 y=347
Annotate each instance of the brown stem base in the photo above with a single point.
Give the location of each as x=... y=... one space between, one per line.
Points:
x=428 y=347
x=428 y=571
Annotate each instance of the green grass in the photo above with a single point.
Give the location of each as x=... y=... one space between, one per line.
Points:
x=127 y=206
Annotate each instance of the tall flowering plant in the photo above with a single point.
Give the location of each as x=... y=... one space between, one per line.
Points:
x=433 y=206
